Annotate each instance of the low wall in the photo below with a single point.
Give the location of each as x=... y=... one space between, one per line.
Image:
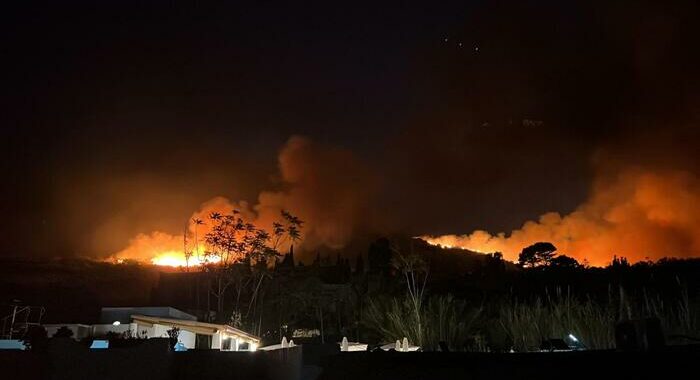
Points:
x=673 y=363
x=152 y=360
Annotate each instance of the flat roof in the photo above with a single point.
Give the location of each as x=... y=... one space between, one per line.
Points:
x=195 y=326
x=123 y=314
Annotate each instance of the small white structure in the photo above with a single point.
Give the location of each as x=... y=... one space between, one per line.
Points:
x=346 y=346
x=271 y=347
x=400 y=346
x=281 y=345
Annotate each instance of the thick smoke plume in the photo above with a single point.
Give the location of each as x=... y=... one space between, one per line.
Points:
x=637 y=211
x=326 y=187
x=638 y=214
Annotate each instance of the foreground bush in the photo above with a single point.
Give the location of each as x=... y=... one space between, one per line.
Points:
x=437 y=319
x=526 y=324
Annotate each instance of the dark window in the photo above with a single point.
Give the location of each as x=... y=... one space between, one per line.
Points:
x=202 y=342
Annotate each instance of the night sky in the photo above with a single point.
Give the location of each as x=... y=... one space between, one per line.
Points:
x=120 y=118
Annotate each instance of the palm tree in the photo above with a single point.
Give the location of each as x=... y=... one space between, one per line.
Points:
x=196 y=222
x=188 y=253
x=233 y=243
x=413 y=267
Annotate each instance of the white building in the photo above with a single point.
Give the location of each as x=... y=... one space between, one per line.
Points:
x=154 y=322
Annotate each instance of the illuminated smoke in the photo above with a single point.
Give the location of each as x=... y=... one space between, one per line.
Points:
x=636 y=214
x=325 y=187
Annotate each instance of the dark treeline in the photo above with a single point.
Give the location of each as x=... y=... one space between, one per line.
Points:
x=398 y=288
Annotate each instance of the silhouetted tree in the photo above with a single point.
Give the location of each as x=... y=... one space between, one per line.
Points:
x=415 y=271
x=538 y=254
x=359 y=265
x=494 y=263
x=563 y=261
x=189 y=252
x=619 y=262
x=234 y=242
x=173 y=335
x=379 y=255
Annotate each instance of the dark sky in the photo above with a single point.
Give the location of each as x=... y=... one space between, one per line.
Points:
x=474 y=114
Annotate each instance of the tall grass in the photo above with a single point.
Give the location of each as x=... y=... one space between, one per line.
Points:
x=443 y=319
x=526 y=324
x=679 y=317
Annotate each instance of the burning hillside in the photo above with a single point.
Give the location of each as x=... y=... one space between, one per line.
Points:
x=325 y=187
x=638 y=214
x=637 y=210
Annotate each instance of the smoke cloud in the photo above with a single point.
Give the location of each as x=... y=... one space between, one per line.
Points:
x=637 y=214
x=640 y=206
x=327 y=187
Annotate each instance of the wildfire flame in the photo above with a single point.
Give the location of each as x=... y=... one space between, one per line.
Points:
x=172 y=259
x=638 y=215
x=177 y=259
x=316 y=179
x=163 y=250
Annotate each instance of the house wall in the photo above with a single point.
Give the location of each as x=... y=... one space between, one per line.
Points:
x=103 y=329
x=237 y=344
x=185 y=337
x=216 y=341
x=147 y=331
x=160 y=331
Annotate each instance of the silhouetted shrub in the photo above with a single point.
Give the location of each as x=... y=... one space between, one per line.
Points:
x=36 y=339
x=63 y=332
